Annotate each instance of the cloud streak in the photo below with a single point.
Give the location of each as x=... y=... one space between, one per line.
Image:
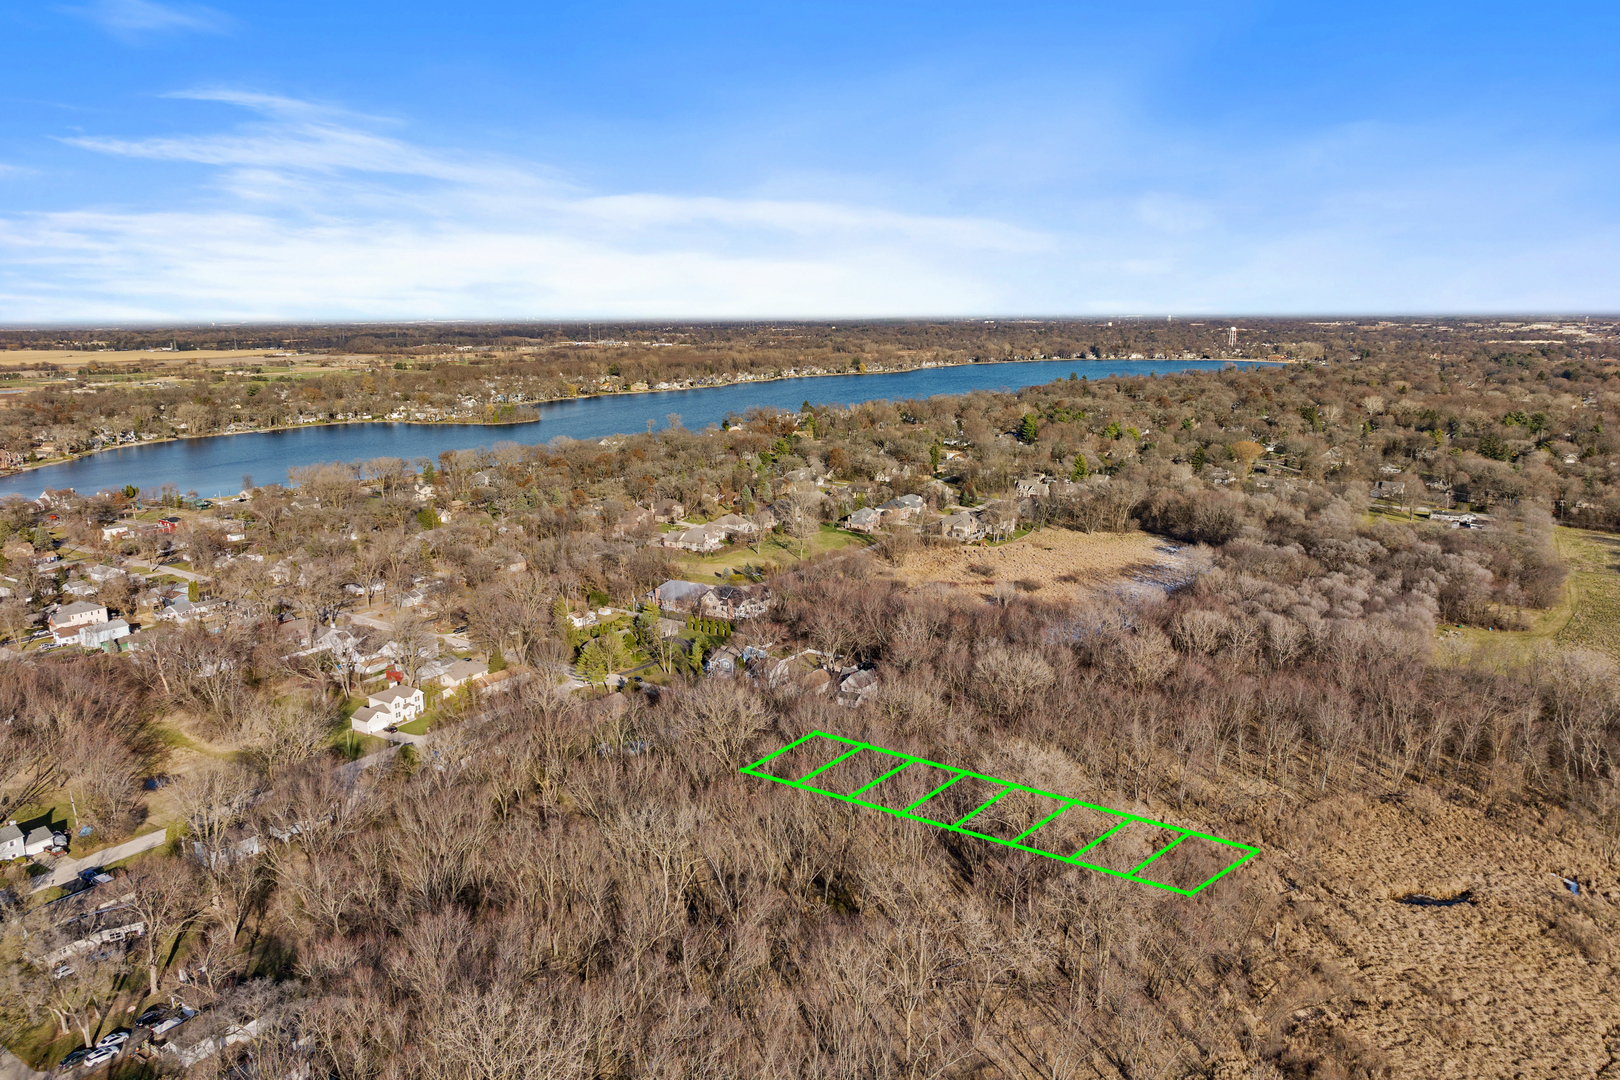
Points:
x=315 y=213
x=130 y=20
x=308 y=211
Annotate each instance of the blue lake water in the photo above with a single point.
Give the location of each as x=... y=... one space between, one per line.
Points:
x=215 y=465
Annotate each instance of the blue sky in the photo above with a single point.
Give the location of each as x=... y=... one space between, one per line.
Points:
x=181 y=161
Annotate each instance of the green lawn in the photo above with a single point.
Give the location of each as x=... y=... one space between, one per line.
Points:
x=774 y=549
x=420 y=726
x=1588 y=615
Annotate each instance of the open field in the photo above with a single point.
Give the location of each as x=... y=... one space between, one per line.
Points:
x=781 y=551
x=1051 y=562
x=1514 y=980
x=1587 y=617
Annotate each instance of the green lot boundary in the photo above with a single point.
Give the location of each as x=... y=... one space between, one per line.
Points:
x=1245 y=851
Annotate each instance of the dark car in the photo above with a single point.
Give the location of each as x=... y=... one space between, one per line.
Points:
x=152 y=1016
x=75 y=1057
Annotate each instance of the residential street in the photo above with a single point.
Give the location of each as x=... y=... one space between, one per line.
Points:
x=65 y=870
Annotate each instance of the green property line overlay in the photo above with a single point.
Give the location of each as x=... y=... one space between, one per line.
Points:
x=1246 y=852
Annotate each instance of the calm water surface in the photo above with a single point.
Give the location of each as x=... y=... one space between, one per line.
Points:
x=216 y=465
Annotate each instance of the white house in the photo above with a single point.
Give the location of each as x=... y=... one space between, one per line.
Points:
x=98 y=634
x=66 y=621
x=113 y=532
x=11 y=842
x=14 y=845
x=396 y=705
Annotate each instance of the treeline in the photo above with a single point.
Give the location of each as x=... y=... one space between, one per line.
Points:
x=587 y=893
x=578 y=888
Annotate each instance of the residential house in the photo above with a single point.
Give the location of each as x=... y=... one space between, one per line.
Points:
x=183 y=610
x=805 y=476
x=462 y=671
x=1388 y=489
x=14 y=845
x=679 y=596
x=113 y=532
x=11 y=842
x=396 y=705
x=734 y=602
x=99 y=634
x=66 y=622
x=700 y=538
x=1034 y=486
x=735 y=524
x=101 y=574
x=964 y=526
x=19 y=551
x=903 y=508
x=855 y=687
x=668 y=511
x=633 y=519
x=866 y=520
x=82 y=590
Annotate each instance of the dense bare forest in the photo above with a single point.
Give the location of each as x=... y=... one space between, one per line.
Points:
x=580 y=883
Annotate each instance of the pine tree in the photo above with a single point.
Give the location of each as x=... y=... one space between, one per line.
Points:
x=1081 y=469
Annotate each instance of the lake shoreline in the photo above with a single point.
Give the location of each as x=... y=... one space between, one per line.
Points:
x=31 y=466
x=546 y=413
x=6 y=474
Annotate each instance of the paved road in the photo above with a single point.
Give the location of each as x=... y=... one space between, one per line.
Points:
x=12 y=1068
x=66 y=869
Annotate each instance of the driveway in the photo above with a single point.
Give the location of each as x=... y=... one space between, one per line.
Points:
x=186 y=575
x=66 y=870
x=12 y=1068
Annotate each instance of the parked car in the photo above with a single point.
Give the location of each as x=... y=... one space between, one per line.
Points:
x=62 y=972
x=172 y=1021
x=100 y=1056
x=115 y=1037
x=75 y=1057
x=152 y=1016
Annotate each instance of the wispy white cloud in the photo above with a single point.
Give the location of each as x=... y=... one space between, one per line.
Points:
x=130 y=19
x=319 y=213
x=311 y=211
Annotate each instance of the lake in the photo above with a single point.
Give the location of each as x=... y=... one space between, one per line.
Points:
x=215 y=465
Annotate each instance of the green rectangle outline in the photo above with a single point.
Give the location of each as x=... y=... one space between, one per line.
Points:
x=1008 y=786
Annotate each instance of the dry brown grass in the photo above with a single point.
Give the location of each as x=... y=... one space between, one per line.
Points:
x=1052 y=563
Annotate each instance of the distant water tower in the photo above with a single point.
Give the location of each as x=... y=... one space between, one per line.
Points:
x=1231 y=338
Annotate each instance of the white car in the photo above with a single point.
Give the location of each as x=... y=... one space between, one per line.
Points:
x=173 y=1022
x=99 y=1056
x=114 y=1039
